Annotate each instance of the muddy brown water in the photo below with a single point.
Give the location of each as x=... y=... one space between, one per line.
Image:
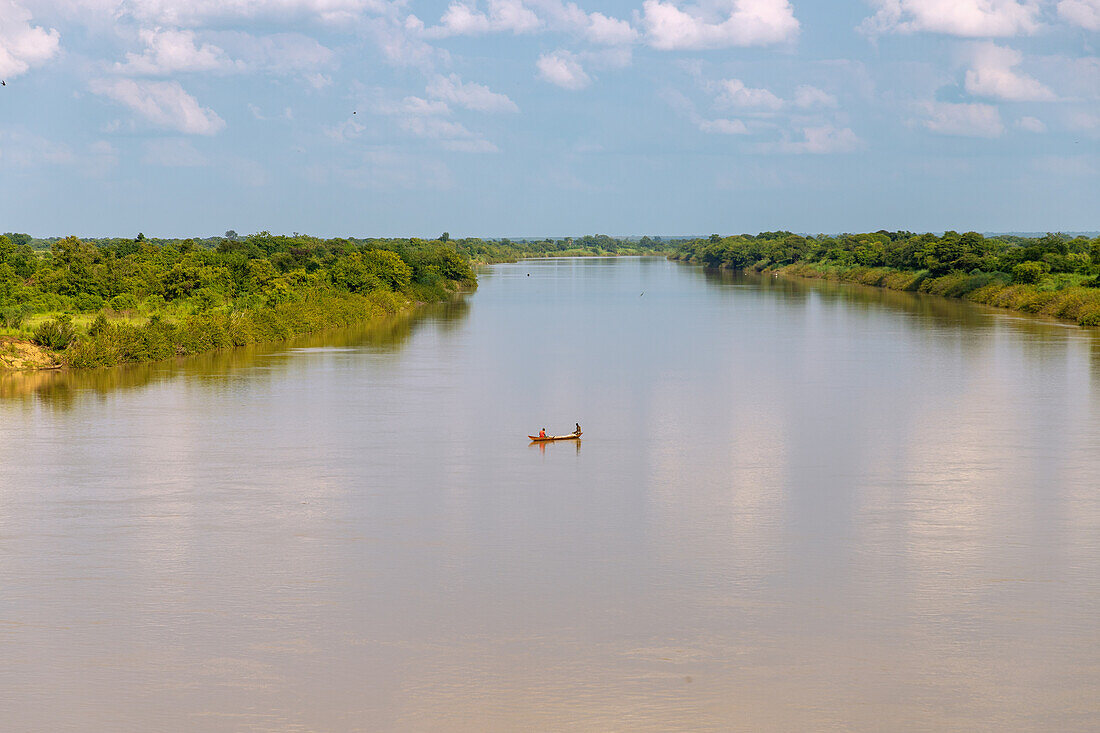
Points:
x=796 y=506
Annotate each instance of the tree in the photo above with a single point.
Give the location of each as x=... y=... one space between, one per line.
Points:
x=17 y=238
x=1028 y=273
x=445 y=237
x=231 y=235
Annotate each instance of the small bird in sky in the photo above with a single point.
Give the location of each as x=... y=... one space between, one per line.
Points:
x=3 y=83
x=641 y=294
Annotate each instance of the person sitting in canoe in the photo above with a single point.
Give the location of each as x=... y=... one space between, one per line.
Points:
x=542 y=433
x=578 y=430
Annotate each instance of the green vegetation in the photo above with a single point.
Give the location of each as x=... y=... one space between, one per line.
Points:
x=104 y=302
x=505 y=250
x=99 y=302
x=1053 y=275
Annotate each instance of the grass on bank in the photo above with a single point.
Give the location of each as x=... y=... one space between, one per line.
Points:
x=1055 y=275
x=1060 y=296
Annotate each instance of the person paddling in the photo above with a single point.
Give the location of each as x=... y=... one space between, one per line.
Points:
x=578 y=430
x=542 y=433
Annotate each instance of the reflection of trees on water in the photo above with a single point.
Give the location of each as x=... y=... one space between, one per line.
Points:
x=946 y=311
x=447 y=317
x=60 y=389
x=1040 y=337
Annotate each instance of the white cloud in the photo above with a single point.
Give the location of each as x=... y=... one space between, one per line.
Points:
x=734 y=93
x=23 y=45
x=469 y=95
x=462 y=19
x=164 y=103
x=668 y=26
x=810 y=96
x=434 y=127
x=562 y=69
x=346 y=130
x=318 y=80
x=594 y=27
x=1031 y=124
x=173 y=153
x=609 y=31
x=278 y=53
x=971 y=18
x=190 y=13
x=969 y=120
x=818 y=141
x=171 y=51
x=992 y=76
x=1085 y=13
x=168 y=52
x=723 y=126
x=402 y=46
x=465 y=17
x=451 y=135
x=426 y=118
x=412 y=107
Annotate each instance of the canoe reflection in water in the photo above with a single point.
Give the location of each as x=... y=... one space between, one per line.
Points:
x=543 y=443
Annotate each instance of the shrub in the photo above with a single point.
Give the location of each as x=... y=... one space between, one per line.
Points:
x=1028 y=273
x=55 y=334
x=87 y=303
x=1090 y=315
x=124 y=302
x=204 y=299
x=13 y=315
x=99 y=326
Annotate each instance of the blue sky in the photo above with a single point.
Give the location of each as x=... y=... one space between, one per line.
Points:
x=548 y=117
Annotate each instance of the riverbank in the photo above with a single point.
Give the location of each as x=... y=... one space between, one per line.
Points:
x=1072 y=302
x=1054 y=275
x=112 y=343
x=538 y=255
x=101 y=303
x=20 y=355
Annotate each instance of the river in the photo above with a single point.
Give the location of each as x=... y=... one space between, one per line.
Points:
x=797 y=506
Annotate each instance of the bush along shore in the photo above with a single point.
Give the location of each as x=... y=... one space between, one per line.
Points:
x=99 y=302
x=1054 y=275
x=106 y=302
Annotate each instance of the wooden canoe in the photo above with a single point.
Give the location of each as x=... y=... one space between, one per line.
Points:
x=548 y=438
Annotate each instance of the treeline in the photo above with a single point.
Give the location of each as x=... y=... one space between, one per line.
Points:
x=1054 y=275
x=111 y=301
x=506 y=250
